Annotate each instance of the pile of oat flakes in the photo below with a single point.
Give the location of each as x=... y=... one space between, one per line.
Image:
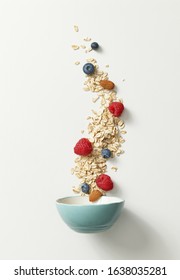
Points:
x=105 y=130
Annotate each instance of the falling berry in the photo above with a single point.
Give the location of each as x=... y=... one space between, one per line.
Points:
x=85 y=188
x=88 y=68
x=106 y=153
x=104 y=182
x=94 y=45
x=116 y=108
x=83 y=147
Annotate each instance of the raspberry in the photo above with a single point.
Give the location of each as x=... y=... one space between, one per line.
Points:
x=104 y=182
x=116 y=108
x=83 y=147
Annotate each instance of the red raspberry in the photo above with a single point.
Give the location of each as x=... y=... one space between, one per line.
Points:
x=116 y=108
x=104 y=182
x=83 y=147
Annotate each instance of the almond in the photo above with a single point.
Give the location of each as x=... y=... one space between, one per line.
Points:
x=107 y=84
x=95 y=195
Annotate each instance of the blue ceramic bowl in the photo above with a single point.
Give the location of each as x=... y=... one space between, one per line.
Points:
x=87 y=217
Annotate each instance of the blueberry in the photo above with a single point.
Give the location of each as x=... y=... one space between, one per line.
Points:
x=94 y=46
x=106 y=153
x=85 y=188
x=88 y=68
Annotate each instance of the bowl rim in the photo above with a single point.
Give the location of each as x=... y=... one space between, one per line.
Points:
x=121 y=200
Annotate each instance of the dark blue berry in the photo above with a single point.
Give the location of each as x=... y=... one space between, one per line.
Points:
x=94 y=46
x=106 y=153
x=88 y=68
x=85 y=188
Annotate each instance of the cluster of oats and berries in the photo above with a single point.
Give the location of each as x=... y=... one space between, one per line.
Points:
x=105 y=129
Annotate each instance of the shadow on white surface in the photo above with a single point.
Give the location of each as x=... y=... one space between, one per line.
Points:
x=127 y=116
x=100 y=50
x=132 y=238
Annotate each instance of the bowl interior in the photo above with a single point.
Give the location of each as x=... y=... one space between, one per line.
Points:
x=84 y=200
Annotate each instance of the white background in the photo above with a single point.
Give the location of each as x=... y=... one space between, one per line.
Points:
x=43 y=109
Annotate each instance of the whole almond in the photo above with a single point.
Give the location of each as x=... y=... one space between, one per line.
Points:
x=107 y=84
x=95 y=195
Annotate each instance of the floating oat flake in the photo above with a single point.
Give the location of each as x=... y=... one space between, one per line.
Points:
x=94 y=99
x=114 y=168
x=88 y=50
x=75 y=47
x=87 y=39
x=76 y=28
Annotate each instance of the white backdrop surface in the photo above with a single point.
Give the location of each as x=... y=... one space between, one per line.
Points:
x=43 y=109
